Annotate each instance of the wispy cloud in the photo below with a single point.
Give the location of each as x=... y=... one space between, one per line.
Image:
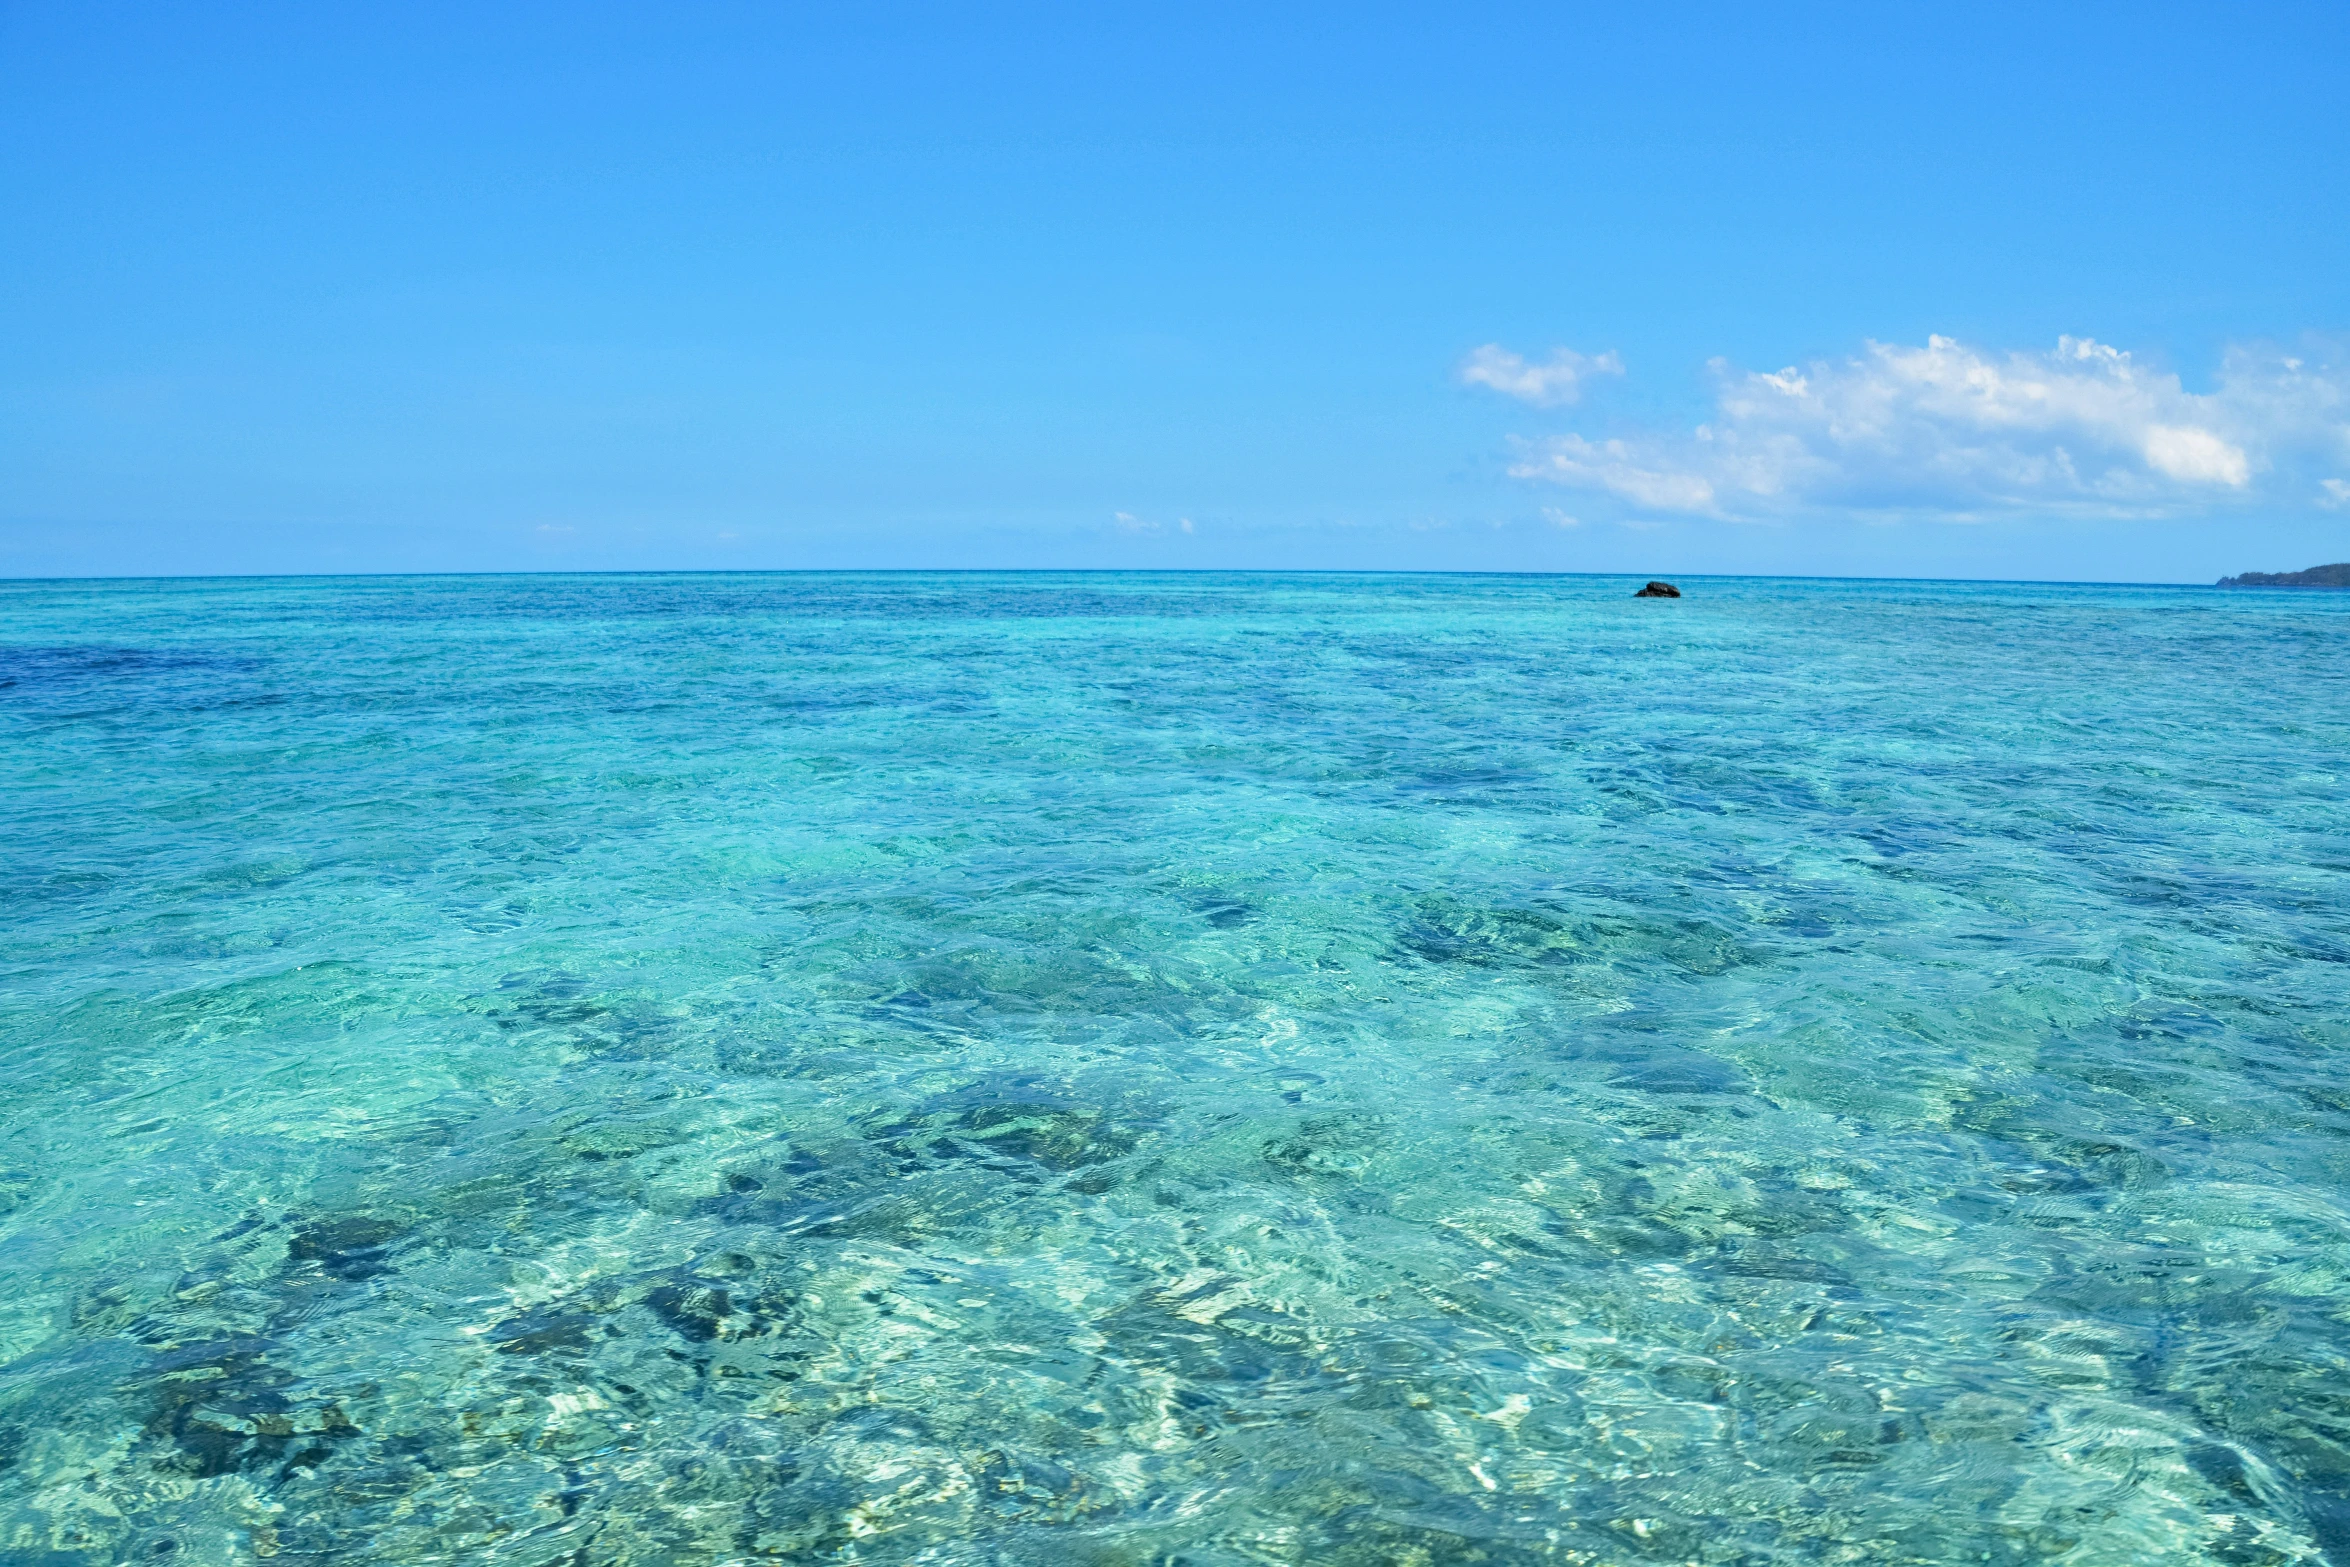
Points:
x=1951 y=431
x=1558 y=379
x=1128 y=522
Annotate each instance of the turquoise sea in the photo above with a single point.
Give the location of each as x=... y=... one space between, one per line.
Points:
x=1127 y=1069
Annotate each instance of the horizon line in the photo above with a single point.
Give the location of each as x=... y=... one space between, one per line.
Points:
x=1080 y=571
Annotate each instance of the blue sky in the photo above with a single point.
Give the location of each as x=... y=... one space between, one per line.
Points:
x=2009 y=291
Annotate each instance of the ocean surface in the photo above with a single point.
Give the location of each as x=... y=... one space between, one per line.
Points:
x=1200 y=1070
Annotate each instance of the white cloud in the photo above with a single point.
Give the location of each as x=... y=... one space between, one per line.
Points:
x=1128 y=522
x=1951 y=431
x=2196 y=455
x=1613 y=465
x=1558 y=380
x=2337 y=492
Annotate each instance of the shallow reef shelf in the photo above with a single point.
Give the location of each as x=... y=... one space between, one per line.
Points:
x=1173 y=1070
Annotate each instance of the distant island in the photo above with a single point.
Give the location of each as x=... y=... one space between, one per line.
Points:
x=2334 y=576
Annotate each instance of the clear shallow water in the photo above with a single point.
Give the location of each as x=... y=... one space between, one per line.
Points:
x=1173 y=1070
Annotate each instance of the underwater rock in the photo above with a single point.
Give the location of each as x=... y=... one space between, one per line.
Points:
x=1658 y=590
x=222 y=1408
x=350 y=1248
x=695 y=1311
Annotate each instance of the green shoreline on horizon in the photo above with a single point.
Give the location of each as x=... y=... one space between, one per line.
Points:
x=2334 y=576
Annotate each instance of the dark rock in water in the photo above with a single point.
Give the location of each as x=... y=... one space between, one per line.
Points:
x=2334 y=576
x=351 y=1248
x=1658 y=590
